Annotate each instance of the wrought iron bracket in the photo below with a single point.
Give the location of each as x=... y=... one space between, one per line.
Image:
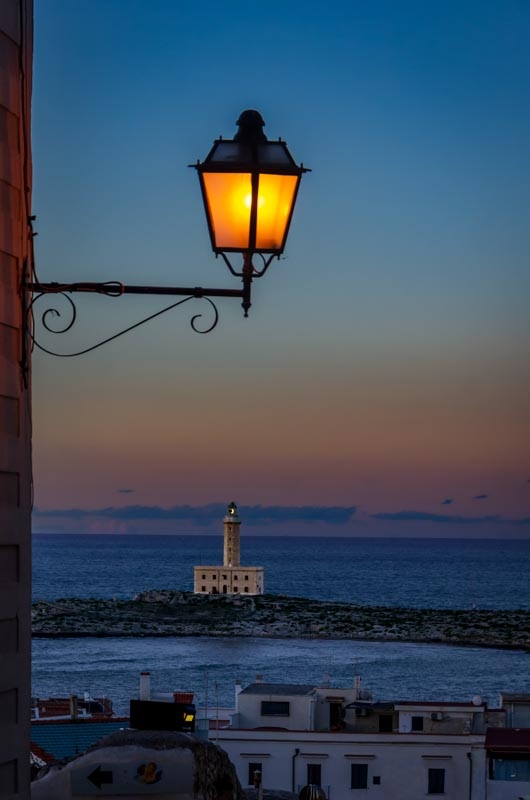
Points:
x=116 y=289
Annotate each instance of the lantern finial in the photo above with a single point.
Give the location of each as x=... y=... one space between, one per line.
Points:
x=250 y=124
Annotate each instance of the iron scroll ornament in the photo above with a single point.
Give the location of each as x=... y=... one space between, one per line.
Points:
x=110 y=289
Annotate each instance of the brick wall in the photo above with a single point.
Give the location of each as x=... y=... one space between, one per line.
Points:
x=16 y=19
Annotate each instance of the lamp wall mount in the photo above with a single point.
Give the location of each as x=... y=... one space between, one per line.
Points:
x=115 y=289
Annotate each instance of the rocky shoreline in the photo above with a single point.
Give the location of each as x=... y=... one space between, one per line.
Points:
x=178 y=613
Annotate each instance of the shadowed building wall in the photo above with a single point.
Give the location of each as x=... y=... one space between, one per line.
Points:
x=16 y=47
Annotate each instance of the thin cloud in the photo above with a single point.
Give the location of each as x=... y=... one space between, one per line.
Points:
x=126 y=491
x=204 y=515
x=444 y=519
x=480 y=497
x=447 y=502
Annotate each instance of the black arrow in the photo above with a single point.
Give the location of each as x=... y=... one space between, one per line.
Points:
x=99 y=777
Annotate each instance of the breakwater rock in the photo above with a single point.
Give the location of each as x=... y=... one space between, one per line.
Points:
x=178 y=613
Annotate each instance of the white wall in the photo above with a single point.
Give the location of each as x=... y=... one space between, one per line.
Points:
x=401 y=761
x=507 y=790
x=301 y=711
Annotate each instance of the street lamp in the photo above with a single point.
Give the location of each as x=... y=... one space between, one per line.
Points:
x=249 y=187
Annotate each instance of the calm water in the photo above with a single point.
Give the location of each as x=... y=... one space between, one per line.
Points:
x=391 y=670
x=430 y=573
x=408 y=572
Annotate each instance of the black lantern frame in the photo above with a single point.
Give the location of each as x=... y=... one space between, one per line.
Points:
x=243 y=164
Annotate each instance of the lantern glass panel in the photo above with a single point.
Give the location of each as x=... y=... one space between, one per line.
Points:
x=275 y=201
x=229 y=199
x=274 y=154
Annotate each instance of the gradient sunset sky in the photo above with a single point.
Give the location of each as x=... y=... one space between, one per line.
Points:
x=381 y=383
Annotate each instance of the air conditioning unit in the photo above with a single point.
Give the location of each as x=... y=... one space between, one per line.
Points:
x=437 y=716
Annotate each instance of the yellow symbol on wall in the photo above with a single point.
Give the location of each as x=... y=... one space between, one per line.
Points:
x=148 y=773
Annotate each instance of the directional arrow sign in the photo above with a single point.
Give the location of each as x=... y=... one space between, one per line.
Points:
x=100 y=776
x=142 y=772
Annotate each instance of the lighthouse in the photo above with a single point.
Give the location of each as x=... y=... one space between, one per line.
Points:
x=231 y=577
x=232 y=547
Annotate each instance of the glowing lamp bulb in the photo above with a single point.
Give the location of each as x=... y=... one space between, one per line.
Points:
x=248 y=201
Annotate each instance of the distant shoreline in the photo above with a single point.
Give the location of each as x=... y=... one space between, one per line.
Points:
x=174 y=613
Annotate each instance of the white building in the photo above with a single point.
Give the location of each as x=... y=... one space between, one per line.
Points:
x=343 y=741
x=231 y=577
x=508 y=752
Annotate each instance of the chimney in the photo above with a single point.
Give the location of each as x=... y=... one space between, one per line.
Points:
x=238 y=690
x=259 y=678
x=145 y=685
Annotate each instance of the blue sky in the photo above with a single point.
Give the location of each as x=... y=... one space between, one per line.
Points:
x=385 y=362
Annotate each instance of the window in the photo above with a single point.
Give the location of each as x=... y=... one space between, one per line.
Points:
x=253 y=767
x=274 y=708
x=246 y=588
x=416 y=724
x=224 y=577
x=376 y=780
x=203 y=588
x=214 y=577
x=235 y=577
x=314 y=774
x=204 y=577
x=385 y=723
x=436 y=781
x=506 y=769
x=236 y=589
x=359 y=776
x=246 y=577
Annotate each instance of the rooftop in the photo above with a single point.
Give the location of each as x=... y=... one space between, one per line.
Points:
x=502 y=740
x=68 y=738
x=515 y=698
x=286 y=689
x=50 y=707
x=443 y=704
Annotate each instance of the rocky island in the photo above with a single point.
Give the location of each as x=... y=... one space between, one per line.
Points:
x=179 y=613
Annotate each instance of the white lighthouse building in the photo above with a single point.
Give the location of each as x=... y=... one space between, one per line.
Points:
x=231 y=577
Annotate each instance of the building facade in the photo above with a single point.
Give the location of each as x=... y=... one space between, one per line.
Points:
x=348 y=744
x=16 y=48
x=231 y=577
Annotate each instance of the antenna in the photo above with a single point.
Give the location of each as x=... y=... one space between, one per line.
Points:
x=206 y=699
x=216 y=686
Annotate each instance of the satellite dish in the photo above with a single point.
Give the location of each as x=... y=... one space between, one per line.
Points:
x=476 y=700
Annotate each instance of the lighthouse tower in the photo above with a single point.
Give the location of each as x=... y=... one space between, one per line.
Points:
x=231 y=577
x=232 y=549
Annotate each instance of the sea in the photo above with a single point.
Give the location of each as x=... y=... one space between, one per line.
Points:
x=419 y=573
